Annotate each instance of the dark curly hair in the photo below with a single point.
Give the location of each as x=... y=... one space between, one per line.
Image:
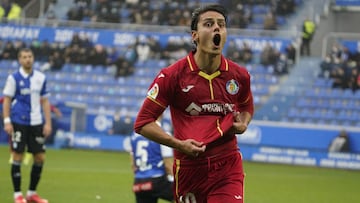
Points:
x=212 y=7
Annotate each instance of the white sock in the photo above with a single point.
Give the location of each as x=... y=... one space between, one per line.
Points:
x=30 y=192
x=17 y=194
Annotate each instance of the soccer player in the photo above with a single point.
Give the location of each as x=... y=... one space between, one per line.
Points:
x=27 y=119
x=27 y=157
x=210 y=101
x=152 y=166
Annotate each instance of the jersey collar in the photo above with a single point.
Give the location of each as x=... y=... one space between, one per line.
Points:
x=25 y=74
x=224 y=65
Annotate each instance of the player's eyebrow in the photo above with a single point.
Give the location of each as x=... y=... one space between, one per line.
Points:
x=217 y=19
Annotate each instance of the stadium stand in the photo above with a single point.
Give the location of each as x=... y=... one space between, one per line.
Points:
x=243 y=14
x=299 y=96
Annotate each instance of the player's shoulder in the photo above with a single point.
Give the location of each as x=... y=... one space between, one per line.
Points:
x=176 y=66
x=39 y=74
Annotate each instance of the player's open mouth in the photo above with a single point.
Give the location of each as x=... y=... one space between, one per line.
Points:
x=217 y=39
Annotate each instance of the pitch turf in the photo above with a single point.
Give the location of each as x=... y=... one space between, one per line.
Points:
x=79 y=176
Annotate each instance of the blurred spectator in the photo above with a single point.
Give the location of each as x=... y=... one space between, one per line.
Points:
x=270 y=22
x=246 y=54
x=269 y=56
x=122 y=125
x=232 y=51
x=142 y=49
x=45 y=51
x=123 y=67
x=9 y=11
x=354 y=76
x=326 y=67
x=340 y=143
x=98 y=56
x=155 y=48
x=55 y=62
x=290 y=53
x=176 y=48
x=308 y=31
x=338 y=74
x=281 y=66
x=285 y=7
x=9 y=52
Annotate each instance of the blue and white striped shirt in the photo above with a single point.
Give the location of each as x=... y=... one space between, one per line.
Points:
x=148 y=156
x=26 y=90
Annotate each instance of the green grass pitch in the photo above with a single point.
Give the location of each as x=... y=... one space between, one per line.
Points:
x=79 y=176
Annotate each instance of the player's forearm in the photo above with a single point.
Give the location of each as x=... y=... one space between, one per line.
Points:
x=153 y=132
x=168 y=163
x=47 y=111
x=6 y=107
x=245 y=117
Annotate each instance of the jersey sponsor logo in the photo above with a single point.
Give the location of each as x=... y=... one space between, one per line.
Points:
x=26 y=91
x=187 y=198
x=154 y=91
x=193 y=109
x=232 y=87
x=146 y=186
x=187 y=88
x=213 y=108
x=161 y=75
x=40 y=140
x=238 y=197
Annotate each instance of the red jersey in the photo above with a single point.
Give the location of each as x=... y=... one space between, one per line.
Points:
x=201 y=105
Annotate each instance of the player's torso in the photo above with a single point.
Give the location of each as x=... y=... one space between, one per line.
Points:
x=201 y=94
x=27 y=87
x=27 y=108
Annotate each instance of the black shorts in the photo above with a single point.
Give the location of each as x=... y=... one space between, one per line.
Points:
x=27 y=136
x=149 y=190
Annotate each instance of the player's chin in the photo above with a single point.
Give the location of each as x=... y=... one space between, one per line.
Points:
x=215 y=50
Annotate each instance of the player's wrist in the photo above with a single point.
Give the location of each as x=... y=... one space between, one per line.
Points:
x=7 y=120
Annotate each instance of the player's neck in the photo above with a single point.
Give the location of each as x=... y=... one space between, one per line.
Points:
x=27 y=70
x=208 y=63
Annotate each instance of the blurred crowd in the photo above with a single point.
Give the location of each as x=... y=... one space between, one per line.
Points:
x=9 y=11
x=342 y=66
x=123 y=58
x=82 y=51
x=174 y=13
x=270 y=57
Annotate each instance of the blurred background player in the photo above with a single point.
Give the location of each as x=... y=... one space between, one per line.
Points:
x=27 y=119
x=152 y=166
x=28 y=156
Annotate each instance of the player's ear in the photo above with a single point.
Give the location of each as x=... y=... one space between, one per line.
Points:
x=194 y=36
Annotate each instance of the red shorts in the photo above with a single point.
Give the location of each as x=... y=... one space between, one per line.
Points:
x=210 y=180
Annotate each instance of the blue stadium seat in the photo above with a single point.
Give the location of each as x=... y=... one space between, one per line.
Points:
x=280 y=20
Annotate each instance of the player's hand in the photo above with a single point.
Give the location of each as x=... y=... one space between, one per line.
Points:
x=8 y=127
x=47 y=130
x=239 y=126
x=192 y=147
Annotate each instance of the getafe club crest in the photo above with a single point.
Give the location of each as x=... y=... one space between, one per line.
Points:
x=232 y=87
x=154 y=91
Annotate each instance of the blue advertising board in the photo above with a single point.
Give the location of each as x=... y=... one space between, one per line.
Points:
x=261 y=143
x=352 y=45
x=315 y=139
x=91 y=141
x=347 y=2
x=108 y=37
x=301 y=157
